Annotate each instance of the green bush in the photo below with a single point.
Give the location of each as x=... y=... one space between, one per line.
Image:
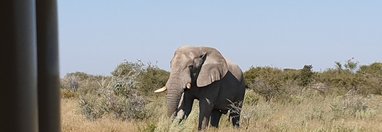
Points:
x=291 y=74
x=306 y=76
x=123 y=94
x=151 y=79
x=110 y=97
x=367 y=80
x=128 y=69
x=143 y=78
x=76 y=80
x=78 y=75
x=266 y=81
x=371 y=79
x=273 y=83
x=342 y=80
x=339 y=82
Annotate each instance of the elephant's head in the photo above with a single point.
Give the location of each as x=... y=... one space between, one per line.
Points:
x=192 y=67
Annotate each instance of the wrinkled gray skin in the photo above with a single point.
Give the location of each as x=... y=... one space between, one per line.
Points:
x=202 y=73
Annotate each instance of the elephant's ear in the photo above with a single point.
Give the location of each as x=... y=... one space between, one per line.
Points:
x=213 y=69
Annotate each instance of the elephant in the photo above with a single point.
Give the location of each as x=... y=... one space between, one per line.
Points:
x=202 y=73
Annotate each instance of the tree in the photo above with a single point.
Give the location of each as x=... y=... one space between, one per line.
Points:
x=306 y=75
x=351 y=65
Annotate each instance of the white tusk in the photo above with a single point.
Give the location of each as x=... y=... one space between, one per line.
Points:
x=188 y=85
x=161 y=89
x=181 y=101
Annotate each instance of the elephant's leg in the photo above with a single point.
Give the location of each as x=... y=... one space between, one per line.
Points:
x=205 y=109
x=235 y=113
x=187 y=106
x=235 y=118
x=215 y=118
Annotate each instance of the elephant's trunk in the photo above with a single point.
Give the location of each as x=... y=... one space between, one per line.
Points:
x=174 y=92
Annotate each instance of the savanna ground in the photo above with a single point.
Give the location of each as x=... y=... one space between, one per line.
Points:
x=344 y=98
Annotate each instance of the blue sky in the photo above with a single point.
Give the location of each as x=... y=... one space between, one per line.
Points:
x=97 y=35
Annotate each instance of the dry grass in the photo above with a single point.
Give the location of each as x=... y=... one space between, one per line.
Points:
x=302 y=113
x=73 y=121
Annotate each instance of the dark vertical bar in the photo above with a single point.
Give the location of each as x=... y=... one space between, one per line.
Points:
x=48 y=72
x=18 y=76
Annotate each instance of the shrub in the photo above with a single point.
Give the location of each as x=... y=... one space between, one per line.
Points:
x=367 y=80
x=152 y=78
x=371 y=79
x=78 y=75
x=123 y=94
x=73 y=81
x=273 y=83
x=339 y=82
x=306 y=76
x=291 y=74
x=265 y=81
x=112 y=97
x=128 y=69
x=375 y=68
x=143 y=78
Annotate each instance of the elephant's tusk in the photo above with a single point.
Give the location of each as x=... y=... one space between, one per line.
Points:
x=181 y=101
x=161 y=89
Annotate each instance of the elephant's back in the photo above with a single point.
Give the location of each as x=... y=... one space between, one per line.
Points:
x=235 y=70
